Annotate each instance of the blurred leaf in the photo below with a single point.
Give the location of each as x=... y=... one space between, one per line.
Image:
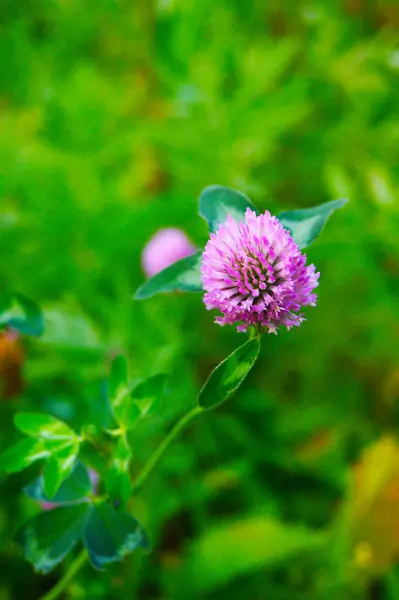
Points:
x=109 y=535
x=183 y=275
x=43 y=426
x=118 y=482
x=22 y=314
x=380 y=185
x=147 y=395
x=21 y=455
x=216 y=203
x=229 y=375
x=231 y=550
x=69 y=330
x=48 y=537
x=306 y=224
x=75 y=488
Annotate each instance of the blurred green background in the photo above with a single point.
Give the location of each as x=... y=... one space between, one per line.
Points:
x=114 y=116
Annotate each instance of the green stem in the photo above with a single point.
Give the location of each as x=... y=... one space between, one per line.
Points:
x=157 y=455
x=75 y=566
x=253 y=333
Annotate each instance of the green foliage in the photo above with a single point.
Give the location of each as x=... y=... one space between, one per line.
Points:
x=147 y=395
x=51 y=535
x=183 y=275
x=44 y=427
x=216 y=203
x=21 y=455
x=243 y=547
x=52 y=440
x=229 y=375
x=21 y=314
x=306 y=224
x=58 y=468
x=131 y=402
x=107 y=534
x=118 y=389
x=118 y=482
x=110 y=534
x=77 y=487
x=112 y=125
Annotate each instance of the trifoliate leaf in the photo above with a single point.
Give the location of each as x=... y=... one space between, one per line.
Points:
x=111 y=534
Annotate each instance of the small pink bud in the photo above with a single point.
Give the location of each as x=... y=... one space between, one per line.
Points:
x=165 y=248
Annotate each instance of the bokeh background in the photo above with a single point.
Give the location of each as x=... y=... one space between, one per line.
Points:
x=114 y=116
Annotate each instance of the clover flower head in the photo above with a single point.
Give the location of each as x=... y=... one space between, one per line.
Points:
x=165 y=248
x=255 y=274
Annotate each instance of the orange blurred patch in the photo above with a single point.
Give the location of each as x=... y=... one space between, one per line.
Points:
x=318 y=445
x=11 y=360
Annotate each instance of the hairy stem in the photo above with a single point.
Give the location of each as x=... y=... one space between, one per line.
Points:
x=159 y=452
x=63 y=583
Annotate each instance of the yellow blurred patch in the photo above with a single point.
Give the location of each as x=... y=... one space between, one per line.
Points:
x=373 y=509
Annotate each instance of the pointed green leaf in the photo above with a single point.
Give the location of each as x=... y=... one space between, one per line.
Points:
x=229 y=375
x=306 y=224
x=21 y=455
x=183 y=275
x=118 y=386
x=110 y=534
x=75 y=488
x=58 y=468
x=147 y=395
x=216 y=203
x=22 y=314
x=127 y=414
x=118 y=381
x=48 y=538
x=118 y=483
x=51 y=477
x=43 y=426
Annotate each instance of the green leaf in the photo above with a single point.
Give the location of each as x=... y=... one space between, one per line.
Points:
x=22 y=314
x=118 y=381
x=109 y=535
x=118 y=388
x=58 y=468
x=69 y=330
x=147 y=395
x=43 y=426
x=245 y=546
x=48 y=538
x=118 y=482
x=127 y=414
x=306 y=224
x=77 y=487
x=183 y=275
x=21 y=455
x=216 y=203
x=229 y=375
